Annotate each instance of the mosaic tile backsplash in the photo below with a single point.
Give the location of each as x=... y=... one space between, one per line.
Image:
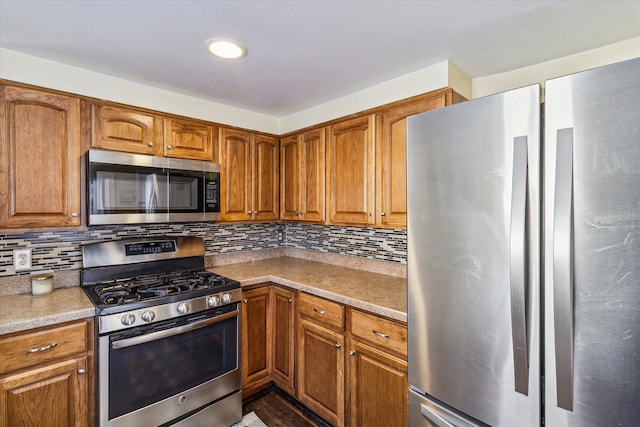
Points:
x=53 y=251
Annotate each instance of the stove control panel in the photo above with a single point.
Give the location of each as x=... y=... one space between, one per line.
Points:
x=158 y=313
x=142 y=248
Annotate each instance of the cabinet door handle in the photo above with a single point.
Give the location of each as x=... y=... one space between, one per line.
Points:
x=368 y=213
x=352 y=353
x=338 y=346
x=249 y=212
x=245 y=301
x=74 y=214
x=321 y=312
x=45 y=348
x=81 y=371
x=150 y=144
x=379 y=334
x=289 y=301
x=169 y=147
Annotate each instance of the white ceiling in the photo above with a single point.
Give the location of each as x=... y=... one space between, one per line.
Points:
x=305 y=53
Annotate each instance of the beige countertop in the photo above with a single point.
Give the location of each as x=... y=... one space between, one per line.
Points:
x=25 y=311
x=374 y=292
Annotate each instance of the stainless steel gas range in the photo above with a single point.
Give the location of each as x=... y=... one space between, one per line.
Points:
x=168 y=334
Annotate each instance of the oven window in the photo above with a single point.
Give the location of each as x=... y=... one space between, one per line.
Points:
x=146 y=373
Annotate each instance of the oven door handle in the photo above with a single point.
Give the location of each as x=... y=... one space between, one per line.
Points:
x=128 y=342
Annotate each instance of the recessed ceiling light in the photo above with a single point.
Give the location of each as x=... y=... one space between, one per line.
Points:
x=227 y=49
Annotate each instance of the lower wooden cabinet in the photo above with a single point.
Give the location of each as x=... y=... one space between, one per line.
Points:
x=46 y=376
x=283 y=302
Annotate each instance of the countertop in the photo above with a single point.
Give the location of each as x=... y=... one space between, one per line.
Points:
x=374 y=292
x=377 y=293
x=25 y=311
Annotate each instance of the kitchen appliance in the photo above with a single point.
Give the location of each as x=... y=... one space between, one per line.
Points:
x=135 y=188
x=168 y=334
x=491 y=212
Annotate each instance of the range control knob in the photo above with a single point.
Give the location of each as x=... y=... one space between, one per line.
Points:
x=226 y=298
x=213 y=301
x=183 y=308
x=148 y=316
x=128 y=319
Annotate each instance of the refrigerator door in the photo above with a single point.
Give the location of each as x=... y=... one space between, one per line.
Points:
x=592 y=247
x=473 y=257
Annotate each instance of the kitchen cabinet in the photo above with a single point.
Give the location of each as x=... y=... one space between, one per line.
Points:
x=256 y=336
x=250 y=177
x=139 y=132
x=377 y=371
x=321 y=357
x=351 y=171
x=40 y=158
x=284 y=338
x=46 y=376
x=391 y=159
x=302 y=177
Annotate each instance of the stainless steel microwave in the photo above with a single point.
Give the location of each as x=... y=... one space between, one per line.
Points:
x=128 y=188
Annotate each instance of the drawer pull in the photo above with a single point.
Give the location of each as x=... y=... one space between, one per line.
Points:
x=289 y=301
x=338 y=346
x=379 y=334
x=321 y=312
x=45 y=348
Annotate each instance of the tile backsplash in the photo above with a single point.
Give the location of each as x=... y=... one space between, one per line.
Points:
x=52 y=251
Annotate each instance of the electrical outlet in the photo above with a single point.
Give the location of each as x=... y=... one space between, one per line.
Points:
x=21 y=259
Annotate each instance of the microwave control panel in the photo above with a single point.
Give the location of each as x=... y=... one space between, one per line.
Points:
x=211 y=194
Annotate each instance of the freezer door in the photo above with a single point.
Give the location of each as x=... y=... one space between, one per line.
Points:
x=592 y=247
x=473 y=256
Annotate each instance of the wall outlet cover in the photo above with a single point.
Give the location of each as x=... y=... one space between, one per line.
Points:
x=21 y=259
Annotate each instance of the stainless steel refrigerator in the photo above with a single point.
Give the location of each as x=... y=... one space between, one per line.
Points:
x=524 y=256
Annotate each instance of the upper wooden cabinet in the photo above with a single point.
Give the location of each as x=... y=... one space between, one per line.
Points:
x=40 y=159
x=351 y=171
x=391 y=160
x=250 y=188
x=133 y=131
x=302 y=177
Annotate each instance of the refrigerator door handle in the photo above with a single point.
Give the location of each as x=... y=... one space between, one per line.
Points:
x=518 y=265
x=563 y=268
x=435 y=418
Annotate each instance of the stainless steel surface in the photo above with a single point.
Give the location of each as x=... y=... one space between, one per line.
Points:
x=460 y=191
x=424 y=412
x=114 y=322
x=223 y=413
x=106 y=219
x=562 y=259
x=128 y=342
x=602 y=106
x=118 y=158
x=113 y=252
x=518 y=266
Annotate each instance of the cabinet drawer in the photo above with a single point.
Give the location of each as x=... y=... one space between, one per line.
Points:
x=321 y=310
x=381 y=333
x=32 y=348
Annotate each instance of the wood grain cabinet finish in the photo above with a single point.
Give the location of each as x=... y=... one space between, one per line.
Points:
x=391 y=159
x=250 y=177
x=284 y=338
x=185 y=139
x=256 y=337
x=302 y=177
x=46 y=376
x=40 y=159
x=125 y=130
x=351 y=171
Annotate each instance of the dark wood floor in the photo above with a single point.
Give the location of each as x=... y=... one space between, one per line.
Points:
x=277 y=409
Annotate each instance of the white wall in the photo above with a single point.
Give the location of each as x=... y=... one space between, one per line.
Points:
x=538 y=73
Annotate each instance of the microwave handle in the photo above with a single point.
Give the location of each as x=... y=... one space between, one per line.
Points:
x=152 y=193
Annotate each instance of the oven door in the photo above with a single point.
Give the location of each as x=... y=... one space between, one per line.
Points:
x=154 y=374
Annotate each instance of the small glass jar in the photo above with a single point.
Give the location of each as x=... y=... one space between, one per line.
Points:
x=42 y=284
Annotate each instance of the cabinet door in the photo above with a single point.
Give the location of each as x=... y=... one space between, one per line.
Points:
x=189 y=140
x=51 y=396
x=284 y=310
x=126 y=130
x=236 y=180
x=256 y=336
x=266 y=187
x=313 y=170
x=290 y=178
x=391 y=154
x=321 y=371
x=351 y=166
x=378 y=388
x=39 y=159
